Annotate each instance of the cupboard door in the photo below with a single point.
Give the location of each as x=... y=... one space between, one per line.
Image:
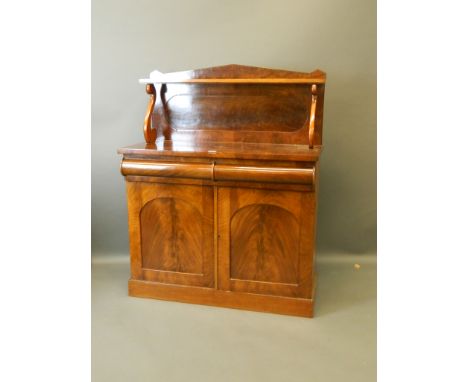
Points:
x=171 y=233
x=265 y=242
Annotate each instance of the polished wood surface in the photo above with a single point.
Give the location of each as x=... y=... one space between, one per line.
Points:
x=167 y=169
x=313 y=109
x=265 y=241
x=234 y=113
x=166 y=243
x=221 y=183
x=264 y=244
x=214 y=171
x=275 y=108
x=235 y=103
x=148 y=131
x=222 y=196
x=222 y=150
x=171 y=233
x=263 y=174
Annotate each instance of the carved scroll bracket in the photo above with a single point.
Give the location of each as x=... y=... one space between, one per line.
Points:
x=313 y=106
x=148 y=130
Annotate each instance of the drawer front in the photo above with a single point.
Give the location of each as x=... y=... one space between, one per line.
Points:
x=265 y=241
x=219 y=172
x=171 y=233
x=264 y=174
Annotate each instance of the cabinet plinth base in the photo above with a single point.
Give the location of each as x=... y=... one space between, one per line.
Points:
x=225 y=299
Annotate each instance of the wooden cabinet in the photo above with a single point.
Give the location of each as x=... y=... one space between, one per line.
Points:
x=222 y=196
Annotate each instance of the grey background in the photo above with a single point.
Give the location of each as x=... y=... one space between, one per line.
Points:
x=130 y=38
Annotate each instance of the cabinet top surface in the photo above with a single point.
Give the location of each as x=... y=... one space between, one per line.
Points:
x=225 y=150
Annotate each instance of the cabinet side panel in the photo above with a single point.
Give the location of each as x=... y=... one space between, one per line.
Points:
x=134 y=206
x=307 y=244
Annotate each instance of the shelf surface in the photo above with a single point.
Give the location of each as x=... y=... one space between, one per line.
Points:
x=162 y=80
x=236 y=74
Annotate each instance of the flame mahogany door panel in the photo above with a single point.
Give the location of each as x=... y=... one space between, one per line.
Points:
x=265 y=241
x=171 y=233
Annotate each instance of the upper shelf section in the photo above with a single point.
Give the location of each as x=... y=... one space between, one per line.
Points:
x=235 y=103
x=235 y=74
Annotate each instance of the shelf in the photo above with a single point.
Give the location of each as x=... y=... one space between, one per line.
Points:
x=220 y=81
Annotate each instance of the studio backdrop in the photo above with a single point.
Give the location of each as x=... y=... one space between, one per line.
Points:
x=131 y=38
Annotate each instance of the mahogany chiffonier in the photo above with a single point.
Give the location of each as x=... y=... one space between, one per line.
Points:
x=222 y=197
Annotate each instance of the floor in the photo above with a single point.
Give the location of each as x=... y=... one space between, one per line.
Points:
x=139 y=340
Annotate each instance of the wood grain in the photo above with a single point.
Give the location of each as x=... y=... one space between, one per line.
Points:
x=248 y=108
x=171 y=230
x=264 y=244
x=265 y=241
x=235 y=103
x=166 y=243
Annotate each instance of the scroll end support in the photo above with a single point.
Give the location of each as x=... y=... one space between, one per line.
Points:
x=313 y=107
x=148 y=130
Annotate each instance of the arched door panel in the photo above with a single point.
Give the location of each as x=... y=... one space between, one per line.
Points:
x=265 y=241
x=173 y=233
